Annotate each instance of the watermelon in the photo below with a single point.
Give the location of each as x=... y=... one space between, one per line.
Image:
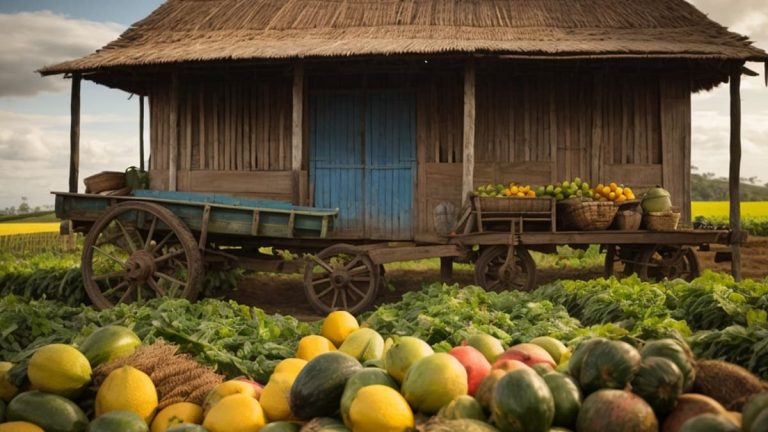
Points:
x=760 y=423
x=484 y=393
x=659 y=382
x=318 y=388
x=49 y=411
x=567 y=398
x=188 y=427
x=123 y=421
x=281 y=426
x=522 y=402
x=675 y=352
x=109 y=343
x=462 y=407
x=608 y=364
x=709 y=423
x=616 y=410
x=754 y=406
x=577 y=359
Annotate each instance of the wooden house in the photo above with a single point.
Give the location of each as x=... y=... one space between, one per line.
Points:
x=385 y=108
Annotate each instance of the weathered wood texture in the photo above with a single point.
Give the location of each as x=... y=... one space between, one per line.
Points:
x=468 y=136
x=74 y=133
x=734 y=171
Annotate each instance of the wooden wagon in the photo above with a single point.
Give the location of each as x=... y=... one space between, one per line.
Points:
x=387 y=110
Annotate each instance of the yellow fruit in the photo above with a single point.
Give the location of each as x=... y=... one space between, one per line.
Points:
x=276 y=397
x=290 y=366
x=629 y=195
x=227 y=388
x=531 y=194
x=176 y=414
x=380 y=408
x=312 y=346
x=521 y=194
x=338 y=325
x=7 y=389
x=621 y=198
x=599 y=187
x=235 y=413
x=628 y=191
x=606 y=190
x=514 y=190
x=20 y=426
x=612 y=196
x=128 y=389
x=619 y=191
x=59 y=369
x=613 y=186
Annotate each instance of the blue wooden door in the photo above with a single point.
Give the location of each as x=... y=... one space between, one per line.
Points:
x=363 y=161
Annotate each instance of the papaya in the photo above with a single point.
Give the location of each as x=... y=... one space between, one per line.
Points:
x=364 y=344
x=659 y=382
x=20 y=426
x=123 y=421
x=109 y=343
x=318 y=388
x=433 y=381
x=400 y=354
x=754 y=406
x=49 y=411
x=462 y=407
x=567 y=397
x=522 y=402
x=675 y=352
x=709 y=423
x=608 y=364
x=616 y=410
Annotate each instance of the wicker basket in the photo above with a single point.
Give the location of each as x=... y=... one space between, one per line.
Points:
x=627 y=220
x=661 y=221
x=104 y=181
x=513 y=204
x=588 y=215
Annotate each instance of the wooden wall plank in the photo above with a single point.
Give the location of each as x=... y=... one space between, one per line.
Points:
x=468 y=154
x=173 y=142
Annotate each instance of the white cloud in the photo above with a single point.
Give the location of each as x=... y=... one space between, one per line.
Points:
x=32 y=40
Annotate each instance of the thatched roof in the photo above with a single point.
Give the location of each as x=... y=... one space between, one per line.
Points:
x=213 y=30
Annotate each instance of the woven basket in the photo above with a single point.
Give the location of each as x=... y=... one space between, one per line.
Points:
x=627 y=220
x=513 y=204
x=588 y=215
x=104 y=181
x=661 y=221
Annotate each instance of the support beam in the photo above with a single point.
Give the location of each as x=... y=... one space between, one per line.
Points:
x=297 y=130
x=468 y=157
x=173 y=141
x=735 y=170
x=141 y=133
x=74 y=133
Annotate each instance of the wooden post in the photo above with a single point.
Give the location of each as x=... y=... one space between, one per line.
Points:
x=74 y=133
x=297 y=130
x=735 y=170
x=446 y=269
x=141 y=133
x=468 y=159
x=173 y=141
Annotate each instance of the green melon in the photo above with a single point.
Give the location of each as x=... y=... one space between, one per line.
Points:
x=188 y=427
x=567 y=397
x=462 y=407
x=2 y=410
x=608 y=364
x=433 y=381
x=464 y=425
x=109 y=343
x=577 y=359
x=281 y=426
x=760 y=423
x=616 y=410
x=324 y=424
x=522 y=402
x=709 y=423
x=484 y=393
x=659 y=382
x=364 y=344
x=673 y=350
x=51 y=412
x=317 y=390
x=754 y=406
x=123 y=421
x=360 y=379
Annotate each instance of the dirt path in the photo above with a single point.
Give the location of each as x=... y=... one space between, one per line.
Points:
x=285 y=294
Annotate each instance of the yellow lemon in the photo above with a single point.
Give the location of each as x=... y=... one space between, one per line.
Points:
x=176 y=414
x=127 y=389
x=227 y=388
x=7 y=389
x=59 y=369
x=276 y=397
x=338 y=325
x=290 y=366
x=312 y=346
x=20 y=426
x=380 y=408
x=235 y=413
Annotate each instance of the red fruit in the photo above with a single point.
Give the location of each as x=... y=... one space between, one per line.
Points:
x=258 y=387
x=475 y=363
x=529 y=354
x=509 y=365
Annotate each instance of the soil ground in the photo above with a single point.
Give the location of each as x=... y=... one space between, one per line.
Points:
x=284 y=294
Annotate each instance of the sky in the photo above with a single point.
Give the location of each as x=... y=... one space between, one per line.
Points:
x=34 y=111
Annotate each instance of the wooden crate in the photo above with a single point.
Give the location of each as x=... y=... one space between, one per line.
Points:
x=514 y=213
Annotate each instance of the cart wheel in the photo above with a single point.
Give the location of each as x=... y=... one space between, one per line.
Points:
x=341 y=277
x=620 y=260
x=656 y=263
x=136 y=251
x=494 y=274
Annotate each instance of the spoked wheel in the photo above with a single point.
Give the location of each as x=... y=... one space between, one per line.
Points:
x=620 y=260
x=137 y=251
x=656 y=263
x=501 y=268
x=341 y=277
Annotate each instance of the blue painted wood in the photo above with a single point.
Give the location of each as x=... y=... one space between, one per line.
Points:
x=363 y=161
x=225 y=199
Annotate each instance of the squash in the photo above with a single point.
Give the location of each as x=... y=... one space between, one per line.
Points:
x=616 y=410
x=608 y=364
x=49 y=411
x=567 y=397
x=659 y=382
x=522 y=402
x=672 y=350
x=318 y=388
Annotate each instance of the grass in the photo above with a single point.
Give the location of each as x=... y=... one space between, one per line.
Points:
x=720 y=209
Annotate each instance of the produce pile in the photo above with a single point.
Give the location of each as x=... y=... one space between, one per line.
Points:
x=410 y=363
x=575 y=188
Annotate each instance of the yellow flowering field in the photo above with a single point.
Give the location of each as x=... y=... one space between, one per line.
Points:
x=719 y=209
x=11 y=228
